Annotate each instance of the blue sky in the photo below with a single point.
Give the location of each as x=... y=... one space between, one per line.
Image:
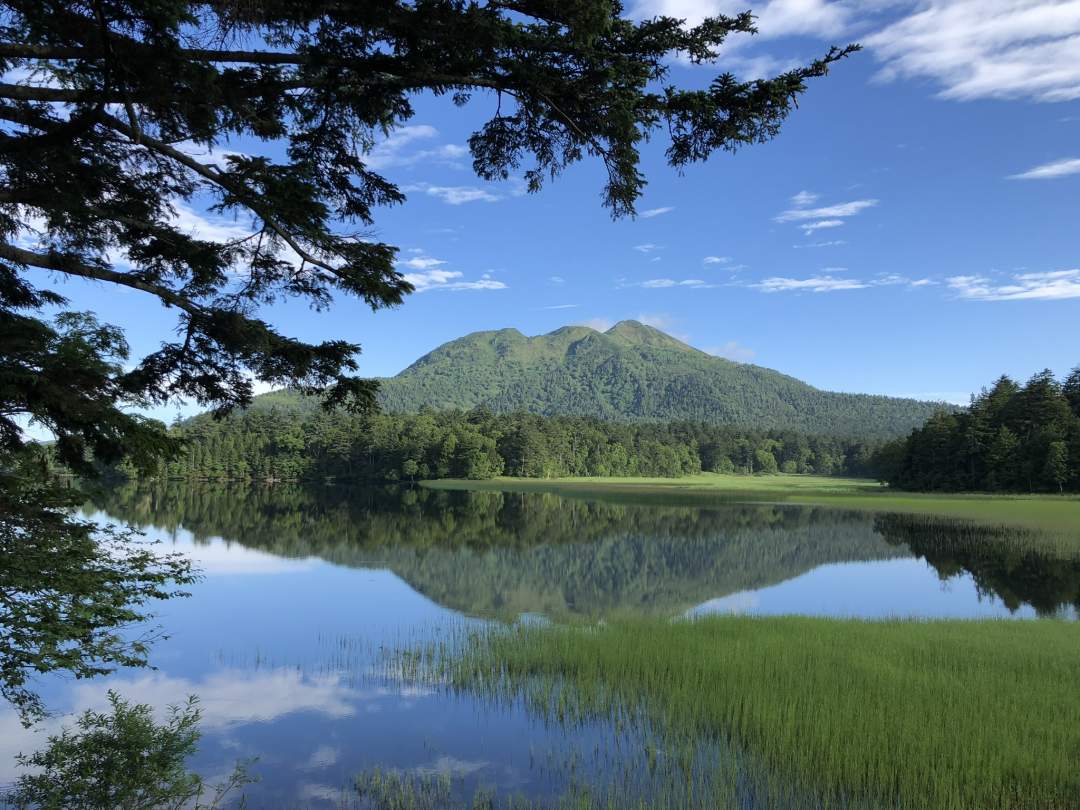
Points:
x=913 y=231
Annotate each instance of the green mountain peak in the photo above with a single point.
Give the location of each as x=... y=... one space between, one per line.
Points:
x=633 y=372
x=642 y=334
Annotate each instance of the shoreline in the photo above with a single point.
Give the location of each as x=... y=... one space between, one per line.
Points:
x=1059 y=513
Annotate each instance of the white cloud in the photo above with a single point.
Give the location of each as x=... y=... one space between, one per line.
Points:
x=840 y=211
x=833 y=243
x=649 y=213
x=664 y=322
x=455 y=195
x=664 y=283
x=716 y=260
x=1050 y=171
x=431 y=278
x=1055 y=285
x=803 y=199
x=430 y=275
x=450 y=280
x=422 y=262
x=647 y=248
x=557 y=280
x=987 y=48
x=394 y=150
x=810 y=227
x=657 y=320
x=733 y=351
x=895 y=279
x=827 y=281
x=217 y=229
x=482 y=284
x=815 y=284
x=561 y=306
x=599 y=324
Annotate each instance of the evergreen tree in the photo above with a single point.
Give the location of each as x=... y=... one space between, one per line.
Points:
x=1013 y=438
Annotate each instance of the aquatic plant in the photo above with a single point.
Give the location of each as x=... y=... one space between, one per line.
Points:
x=897 y=713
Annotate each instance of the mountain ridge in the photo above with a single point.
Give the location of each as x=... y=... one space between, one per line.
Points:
x=630 y=372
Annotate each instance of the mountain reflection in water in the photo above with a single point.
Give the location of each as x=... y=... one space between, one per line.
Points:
x=501 y=555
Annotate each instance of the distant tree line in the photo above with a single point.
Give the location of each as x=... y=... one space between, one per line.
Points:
x=271 y=444
x=1013 y=438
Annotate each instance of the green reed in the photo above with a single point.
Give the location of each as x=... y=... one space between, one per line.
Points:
x=944 y=714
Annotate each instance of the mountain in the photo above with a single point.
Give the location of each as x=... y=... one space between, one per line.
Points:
x=633 y=372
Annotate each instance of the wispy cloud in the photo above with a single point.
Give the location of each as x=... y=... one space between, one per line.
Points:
x=831 y=243
x=599 y=324
x=839 y=211
x=209 y=229
x=665 y=283
x=716 y=260
x=732 y=350
x=455 y=195
x=664 y=322
x=395 y=150
x=649 y=213
x=657 y=320
x=558 y=281
x=648 y=247
x=895 y=280
x=561 y=306
x=422 y=263
x=810 y=227
x=814 y=284
x=1050 y=171
x=1051 y=286
x=827 y=281
x=986 y=48
x=804 y=199
x=430 y=276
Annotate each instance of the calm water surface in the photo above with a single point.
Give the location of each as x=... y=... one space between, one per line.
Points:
x=305 y=590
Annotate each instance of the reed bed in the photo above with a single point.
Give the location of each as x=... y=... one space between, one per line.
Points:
x=953 y=714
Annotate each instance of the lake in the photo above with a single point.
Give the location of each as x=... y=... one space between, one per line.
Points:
x=305 y=591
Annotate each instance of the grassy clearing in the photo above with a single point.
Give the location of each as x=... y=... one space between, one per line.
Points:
x=1046 y=512
x=900 y=714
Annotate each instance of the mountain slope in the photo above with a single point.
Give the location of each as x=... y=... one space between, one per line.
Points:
x=634 y=372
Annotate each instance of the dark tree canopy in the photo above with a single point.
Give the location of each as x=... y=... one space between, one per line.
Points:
x=98 y=138
x=110 y=115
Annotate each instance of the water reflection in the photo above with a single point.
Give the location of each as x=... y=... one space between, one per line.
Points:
x=502 y=554
x=305 y=588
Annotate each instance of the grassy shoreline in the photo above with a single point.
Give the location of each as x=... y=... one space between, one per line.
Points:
x=945 y=714
x=1048 y=512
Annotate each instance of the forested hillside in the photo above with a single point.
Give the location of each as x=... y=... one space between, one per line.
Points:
x=633 y=372
x=1013 y=438
x=273 y=443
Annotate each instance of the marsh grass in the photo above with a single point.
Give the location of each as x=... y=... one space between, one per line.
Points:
x=898 y=713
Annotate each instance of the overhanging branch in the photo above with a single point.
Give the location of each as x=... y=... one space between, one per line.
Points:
x=63 y=263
